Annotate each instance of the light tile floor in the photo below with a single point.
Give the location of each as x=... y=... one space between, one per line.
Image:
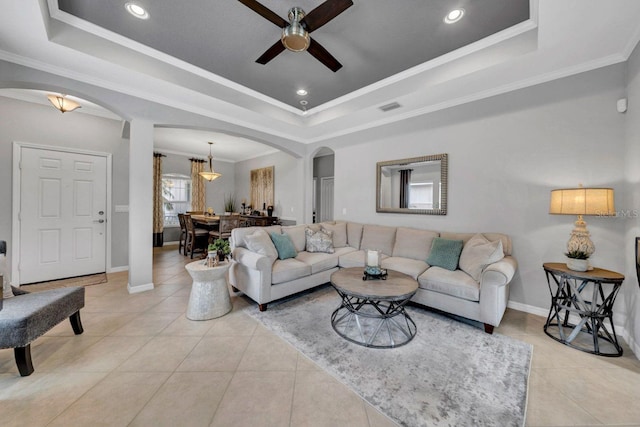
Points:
x=140 y=362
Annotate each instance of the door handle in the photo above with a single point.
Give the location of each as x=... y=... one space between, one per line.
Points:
x=100 y=221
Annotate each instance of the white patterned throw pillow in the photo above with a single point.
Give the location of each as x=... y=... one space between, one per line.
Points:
x=478 y=253
x=319 y=241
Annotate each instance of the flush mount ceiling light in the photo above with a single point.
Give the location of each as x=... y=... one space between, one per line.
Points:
x=211 y=175
x=301 y=92
x=136 y=10
x=454 y=16
x=62 y=103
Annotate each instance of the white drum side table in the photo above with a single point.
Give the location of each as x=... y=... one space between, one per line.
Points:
x=209 y=296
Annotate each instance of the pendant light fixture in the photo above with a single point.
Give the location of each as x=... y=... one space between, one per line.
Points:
x=62 y=103
x=211 y=175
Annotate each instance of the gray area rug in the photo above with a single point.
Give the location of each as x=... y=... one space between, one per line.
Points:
x=450 y=374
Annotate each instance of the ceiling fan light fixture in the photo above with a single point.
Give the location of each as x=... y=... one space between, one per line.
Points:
x=294 y=36
x=62 y=103
x=454 y=16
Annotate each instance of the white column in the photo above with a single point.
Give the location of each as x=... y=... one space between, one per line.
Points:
x=140 y=206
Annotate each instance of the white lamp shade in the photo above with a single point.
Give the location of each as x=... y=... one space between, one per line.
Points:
x=582 y=201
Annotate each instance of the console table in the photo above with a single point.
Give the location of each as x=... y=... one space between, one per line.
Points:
x=589 y=296
x=259 y=220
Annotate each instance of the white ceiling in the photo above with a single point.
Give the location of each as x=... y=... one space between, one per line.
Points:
x=561 y=38
x=187 y=142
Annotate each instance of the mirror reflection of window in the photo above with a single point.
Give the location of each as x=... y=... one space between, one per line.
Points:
x=421 y=195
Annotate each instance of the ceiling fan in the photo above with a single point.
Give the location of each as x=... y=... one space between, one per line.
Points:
x=295 y=33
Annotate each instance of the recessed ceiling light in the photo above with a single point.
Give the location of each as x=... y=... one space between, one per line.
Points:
x=136 y=10
x=454 y=16
x=303 y=102
x=301 y=92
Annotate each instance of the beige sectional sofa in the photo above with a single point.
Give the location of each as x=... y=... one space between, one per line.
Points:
x=265 y=278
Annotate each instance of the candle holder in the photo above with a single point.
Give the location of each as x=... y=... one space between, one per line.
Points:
x=372 y=269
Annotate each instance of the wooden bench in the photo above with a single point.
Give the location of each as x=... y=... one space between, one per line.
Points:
x=28 y=315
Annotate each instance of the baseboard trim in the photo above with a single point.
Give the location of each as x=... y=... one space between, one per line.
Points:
x=635 y=348
x=139 y=288
x=118 y=269
x=538 y=311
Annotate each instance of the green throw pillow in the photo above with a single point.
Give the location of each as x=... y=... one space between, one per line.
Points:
x=445 y=253
x=284 y=245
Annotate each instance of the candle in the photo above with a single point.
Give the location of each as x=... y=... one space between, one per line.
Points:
x=372 y=258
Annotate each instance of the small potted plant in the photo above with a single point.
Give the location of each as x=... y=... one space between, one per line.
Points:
x=229 y=203
x=577 y=260
x=221 y=248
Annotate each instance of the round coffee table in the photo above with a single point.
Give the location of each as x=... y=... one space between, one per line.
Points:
x=373 y=312
x=209 y=296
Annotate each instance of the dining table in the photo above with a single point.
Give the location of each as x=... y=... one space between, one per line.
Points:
x=208 y=221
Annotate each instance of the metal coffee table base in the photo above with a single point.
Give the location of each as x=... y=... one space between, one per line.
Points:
x=373 y=323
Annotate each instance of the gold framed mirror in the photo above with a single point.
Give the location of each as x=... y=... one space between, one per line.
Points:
x=416 y=185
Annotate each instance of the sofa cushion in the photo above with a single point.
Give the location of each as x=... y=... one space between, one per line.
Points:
x=413 y=243
x=261 y=243
x=456 y=283
x=318 y=261
x=378 y=237
x=339 y=230
x=479 y=252
x=354 y=234
x=319 y=241
x=355 y=259
x=285 y=270
x=283 y=245
x=412 y=267
x=445 y=253
x=296 y=233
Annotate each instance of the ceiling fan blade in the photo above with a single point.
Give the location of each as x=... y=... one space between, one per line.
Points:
x=271 y=53
x=325 y=13
x=265 y=12
x=322 y=55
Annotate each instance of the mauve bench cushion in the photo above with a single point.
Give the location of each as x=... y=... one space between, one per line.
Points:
x=24 y=318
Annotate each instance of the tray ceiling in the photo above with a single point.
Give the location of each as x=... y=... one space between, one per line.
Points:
x=373 y=39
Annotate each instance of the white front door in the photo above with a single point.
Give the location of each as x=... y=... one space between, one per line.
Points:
x=63 y=201
x=326 y=199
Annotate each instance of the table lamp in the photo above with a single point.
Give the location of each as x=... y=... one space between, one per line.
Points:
x=581 y=201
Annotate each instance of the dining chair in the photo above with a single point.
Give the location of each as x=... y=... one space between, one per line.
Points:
x=197 y=238
x=227 y=223
x=183 y=235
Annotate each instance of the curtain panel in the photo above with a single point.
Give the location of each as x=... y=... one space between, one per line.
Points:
x=158 y=202
x=405 y=180
x=198 y=193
